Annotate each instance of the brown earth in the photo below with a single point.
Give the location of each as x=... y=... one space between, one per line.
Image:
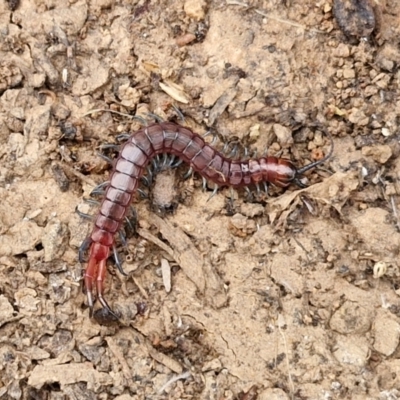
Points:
x=289 y=296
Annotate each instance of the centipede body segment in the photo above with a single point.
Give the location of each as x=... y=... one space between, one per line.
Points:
x=140 y=148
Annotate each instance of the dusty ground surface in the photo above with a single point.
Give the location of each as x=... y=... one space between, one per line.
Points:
x=292 y=296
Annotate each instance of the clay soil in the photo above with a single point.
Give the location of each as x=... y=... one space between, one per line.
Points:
x=290 y=295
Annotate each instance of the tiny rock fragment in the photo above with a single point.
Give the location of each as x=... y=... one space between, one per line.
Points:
x=387 y=334
x=128 y=95
x=379 y=153
x=351 y=318
x=60 y=177
x=195 y=9
x=213 y=365
x=349 y=73
x=164 y=194
x=380 y=269
x=254 y=132
x=357 y=117
x=351 y=350
x=53 y=240
x=166 y=360
x=6 y=310
x=185 y=39
x=68 y=374
x=166 y=274
x=356 y=18
x=273 y=394
x=221 y=104
x=242 y=226
x=342 y=50
x=283 y=134
x=26 y=300
x=175 y=91
x=13 y=4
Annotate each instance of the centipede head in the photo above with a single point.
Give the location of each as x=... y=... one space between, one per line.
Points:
x=300 y=171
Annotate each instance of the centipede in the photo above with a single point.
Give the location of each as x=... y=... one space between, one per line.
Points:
x=140 y=148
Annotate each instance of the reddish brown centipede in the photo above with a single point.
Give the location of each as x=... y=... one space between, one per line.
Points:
x=129 y=167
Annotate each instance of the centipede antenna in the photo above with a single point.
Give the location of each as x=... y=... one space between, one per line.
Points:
x=314 y=164
x=118 y=262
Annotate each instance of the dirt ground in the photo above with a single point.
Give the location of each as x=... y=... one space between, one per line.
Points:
x=294 y=295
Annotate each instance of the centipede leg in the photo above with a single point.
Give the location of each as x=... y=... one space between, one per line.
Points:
x=122 y=238
x=82 y=214
x=177 y=163
x=142 y=193
x=215 y=191
x=83 y=249
x=105 y=158
x=123 y=137
x=150 y=175
x=188 y=174
x=249 y=194
x=118 y=261
x=156 y=117
x=145 y=180
x=113 y=146
x=178 y=113
x=99 y=188
x=101 y=274
x=234 y=151
x=204 y=184
x=92 y=202
x=88 y=278
x=130 y=224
